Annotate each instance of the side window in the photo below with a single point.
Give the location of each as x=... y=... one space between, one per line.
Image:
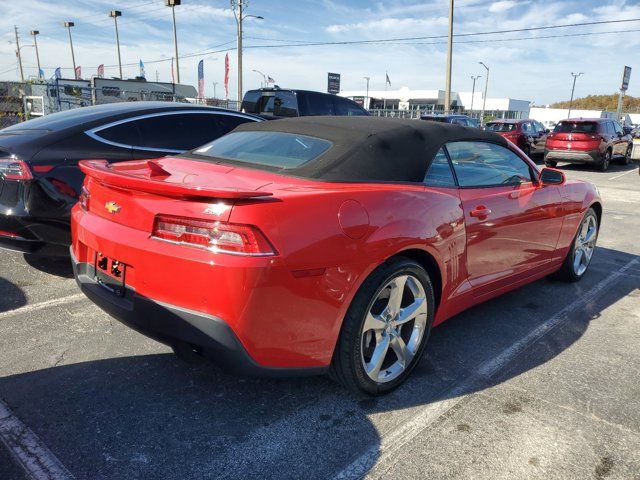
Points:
x=282 y=104
x=251 y=101
x=610 y=129
x=318 y=104
x=184 y=131
x=125 y=133
x=617 y=127
x=482 y=164
x=439 y=173
x=540 y=128
x=347 y=107
x=527 y=128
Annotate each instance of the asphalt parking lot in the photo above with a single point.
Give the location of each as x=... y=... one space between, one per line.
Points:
x=540 y=383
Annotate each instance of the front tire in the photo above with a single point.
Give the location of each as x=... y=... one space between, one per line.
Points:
x=605 y=162
x=582 y=248
x=386 y=328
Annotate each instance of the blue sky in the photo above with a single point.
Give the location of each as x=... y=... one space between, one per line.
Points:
x=537 y=69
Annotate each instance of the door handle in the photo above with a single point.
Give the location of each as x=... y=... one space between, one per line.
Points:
x=480 y=211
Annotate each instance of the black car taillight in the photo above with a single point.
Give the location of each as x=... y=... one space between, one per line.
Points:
x=83 y=199
x=14 y=169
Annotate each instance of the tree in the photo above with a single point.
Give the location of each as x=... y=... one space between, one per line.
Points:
x=602 y=102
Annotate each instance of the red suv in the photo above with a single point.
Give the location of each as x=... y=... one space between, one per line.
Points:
x=587 y=140
x=528 y=135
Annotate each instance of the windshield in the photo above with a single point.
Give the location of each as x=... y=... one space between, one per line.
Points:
x=576 y=127
x=272 y=149
x=502 y=127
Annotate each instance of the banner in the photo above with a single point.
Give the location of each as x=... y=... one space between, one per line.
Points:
x=142 y=69
x=226 y=76
x=201 y=79
x=101 y=70
x=333 y=83
x=78 y=72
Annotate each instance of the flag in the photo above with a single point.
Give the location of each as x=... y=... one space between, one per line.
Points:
x=142 y=69
x=270 y=80
x=57 y=73
x=172 y=78
x=101 y=70
x=388 y=82
x=78 y=72
x=226 y=75
x=201 y=79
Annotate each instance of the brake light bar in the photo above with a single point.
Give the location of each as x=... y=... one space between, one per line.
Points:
x=215 y=236
x=14 y=169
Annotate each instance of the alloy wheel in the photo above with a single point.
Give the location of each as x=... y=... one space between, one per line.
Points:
x=585 y=244
x=393 y=328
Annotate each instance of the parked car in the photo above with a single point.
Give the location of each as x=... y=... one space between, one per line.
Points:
x=464 y=120
x=278 y=102
x=528 y=135
x=314 y=245
x=39 y=176
x=595 y=141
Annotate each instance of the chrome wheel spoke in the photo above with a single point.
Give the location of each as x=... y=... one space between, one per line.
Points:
x=395 y=294
x=590 y=236
x=400 y=349
x=373 y=322
x=377 y=359
x=577 y=261
x=418 y=307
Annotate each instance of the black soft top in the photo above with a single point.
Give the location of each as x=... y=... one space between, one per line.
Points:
x=370 y=149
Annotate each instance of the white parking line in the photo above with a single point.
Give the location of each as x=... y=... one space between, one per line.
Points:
x=39 y=306
x=623 y=174
x=384 y=454
x=32 y=455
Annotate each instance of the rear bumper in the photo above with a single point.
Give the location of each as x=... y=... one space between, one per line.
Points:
x=578 y=156
x=169 y=324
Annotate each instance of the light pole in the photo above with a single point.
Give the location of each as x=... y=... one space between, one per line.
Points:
x=264 y=77
x=214 y=89
x=473 y=90
x=239 y=5
x=447 y=91
x=115 y=14
x=173 y=4
x=573 y=88
x=34 y=34
x=367 y=103
x=15 y=28
x=68 y=26
x=484 y=99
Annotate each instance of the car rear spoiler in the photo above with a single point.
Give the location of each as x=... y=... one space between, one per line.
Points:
x=153 y=182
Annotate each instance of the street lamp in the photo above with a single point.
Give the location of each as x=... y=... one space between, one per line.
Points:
x=367 y=102
x=173 y=4
x=473 y=90
x=68 y=26
x=34 y=34
x=447 y=92
x=115 y=14
x=214 y=89
x=264 y=77
x=484 y=99
x=575 y=76
x=240 y=4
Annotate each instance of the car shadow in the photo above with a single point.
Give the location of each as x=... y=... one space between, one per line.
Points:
x=12 y=296
x=53 y=265
x=150 y=416
x=614 y=167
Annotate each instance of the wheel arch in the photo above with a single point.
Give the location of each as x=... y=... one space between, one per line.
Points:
x=430 y=264
x=597 y=207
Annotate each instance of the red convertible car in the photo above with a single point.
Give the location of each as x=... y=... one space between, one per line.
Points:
x=324 y=244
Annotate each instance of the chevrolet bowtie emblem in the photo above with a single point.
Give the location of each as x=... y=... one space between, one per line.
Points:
x=112 y=207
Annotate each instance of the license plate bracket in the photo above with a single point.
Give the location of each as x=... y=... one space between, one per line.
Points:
x=110 y=274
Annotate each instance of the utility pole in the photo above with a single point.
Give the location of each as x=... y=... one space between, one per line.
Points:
x=115 y=14
x=367 y=102
x=34 y=34
x=157 y=76
x=68 y=26
x=473 y=90
x=573 y=88
x=214 y=89
x=447 y=92
x=173 y=4
x=237 y=7
x=15 y=28
x=484 y=99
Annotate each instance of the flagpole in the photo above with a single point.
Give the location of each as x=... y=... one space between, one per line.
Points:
x=386 y=77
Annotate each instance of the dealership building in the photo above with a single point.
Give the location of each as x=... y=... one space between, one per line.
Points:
x=426 y=101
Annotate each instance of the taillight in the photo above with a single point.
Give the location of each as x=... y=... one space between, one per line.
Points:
x=215 y=236
x=14 y=169
x=83 y=199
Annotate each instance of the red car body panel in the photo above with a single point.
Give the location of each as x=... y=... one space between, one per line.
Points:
x=287 y=309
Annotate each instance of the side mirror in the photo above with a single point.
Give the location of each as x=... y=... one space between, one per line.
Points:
x=546 y=130
x=551 y=176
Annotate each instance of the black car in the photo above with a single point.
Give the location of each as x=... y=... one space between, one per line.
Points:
x=279 y=103
x=463 y=120
x=39 y=176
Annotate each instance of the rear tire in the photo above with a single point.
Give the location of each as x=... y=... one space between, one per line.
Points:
x=370 y=333
x=605 y=161
x=626 y=160
x=573 y=269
